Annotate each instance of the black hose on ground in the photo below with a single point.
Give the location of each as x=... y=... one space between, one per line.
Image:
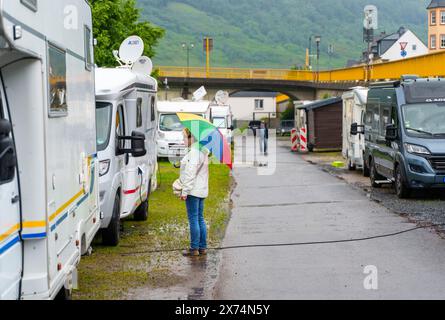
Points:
x=294 y=244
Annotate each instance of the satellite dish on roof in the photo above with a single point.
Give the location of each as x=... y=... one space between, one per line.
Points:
x=131 y=50
x=143 y=65
x=222 y=97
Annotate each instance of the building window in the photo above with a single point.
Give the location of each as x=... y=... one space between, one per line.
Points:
x=433 y=42
x=442 y=41
x=433 y=17
x=57 y=82
x=442 y=17
x=259 y=104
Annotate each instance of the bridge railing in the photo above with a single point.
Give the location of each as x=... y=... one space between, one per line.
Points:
x=236 y=73
x=430 y=65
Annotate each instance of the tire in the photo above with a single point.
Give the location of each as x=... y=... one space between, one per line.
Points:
x=351 y=167
x=374 y=176
x=366 y=172
x=141 y=213
x=111 y=235
x=402 y=190
x=64 y=295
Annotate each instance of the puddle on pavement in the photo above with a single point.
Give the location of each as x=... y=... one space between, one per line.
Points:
x=194 y=279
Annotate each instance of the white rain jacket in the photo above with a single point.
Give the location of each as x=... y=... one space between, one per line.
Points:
x=195 y=173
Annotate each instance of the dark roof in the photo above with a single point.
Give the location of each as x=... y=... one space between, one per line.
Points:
x=437 y=4
x=254 y=94
x=321 y=103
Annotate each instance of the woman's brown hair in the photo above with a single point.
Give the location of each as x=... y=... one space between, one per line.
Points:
x=188 y=133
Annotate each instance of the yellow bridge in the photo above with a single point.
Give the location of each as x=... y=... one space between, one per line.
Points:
x=430 y=65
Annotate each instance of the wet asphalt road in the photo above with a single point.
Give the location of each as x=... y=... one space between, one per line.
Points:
x=302 y=203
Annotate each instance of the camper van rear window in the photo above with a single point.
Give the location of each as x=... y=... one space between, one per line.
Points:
x=57 y=82
x=30 y=4
x=425 y=92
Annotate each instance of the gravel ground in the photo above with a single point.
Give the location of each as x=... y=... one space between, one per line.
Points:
x=424 y=206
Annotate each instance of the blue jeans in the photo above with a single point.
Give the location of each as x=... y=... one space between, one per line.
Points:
x=198 y=227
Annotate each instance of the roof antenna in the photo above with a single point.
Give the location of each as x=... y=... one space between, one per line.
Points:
x=116 y=57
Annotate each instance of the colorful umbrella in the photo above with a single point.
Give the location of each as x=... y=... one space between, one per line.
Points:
x=208 y=137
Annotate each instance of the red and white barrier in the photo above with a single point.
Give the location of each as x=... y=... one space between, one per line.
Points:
x=294 y=140
x=303 y=140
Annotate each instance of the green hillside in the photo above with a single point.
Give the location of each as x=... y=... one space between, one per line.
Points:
x=264 y=33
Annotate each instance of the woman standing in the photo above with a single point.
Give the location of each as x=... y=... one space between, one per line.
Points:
x=194 y=181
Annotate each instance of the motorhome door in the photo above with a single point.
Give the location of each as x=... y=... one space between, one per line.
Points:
x=10 y=244
x=121 y=131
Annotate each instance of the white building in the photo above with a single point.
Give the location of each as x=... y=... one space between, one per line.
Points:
x=399 y=45
x=247 y=105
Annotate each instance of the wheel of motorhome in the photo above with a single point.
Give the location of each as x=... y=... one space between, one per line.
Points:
x=126 y=139
x=374 y=176
x=141 y=213
x=402 y=190
x=49 y=196
x=366 y=171
x=111 y=234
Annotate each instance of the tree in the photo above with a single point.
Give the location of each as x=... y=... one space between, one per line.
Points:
x=289 y=114
x=115 y=20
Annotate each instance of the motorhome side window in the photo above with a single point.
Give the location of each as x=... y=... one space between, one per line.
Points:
x=153 y=112
x=388 y=103
x=373 y=114
x=57 y=81
x=88 y=53
x=139 y=113
x=120 y=126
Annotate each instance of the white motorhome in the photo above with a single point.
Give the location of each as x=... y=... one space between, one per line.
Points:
x=170 y=139
x=221 y=116
x=354 y=103
x=126 y=142
x=49 y=195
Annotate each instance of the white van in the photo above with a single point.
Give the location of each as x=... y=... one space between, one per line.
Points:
x=126 y=142
x=170 y=140
x=354 y=104
x=49 y=195
x=221 y=116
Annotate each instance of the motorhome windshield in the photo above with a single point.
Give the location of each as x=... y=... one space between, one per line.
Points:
x=424 y=119
x=220 y=122
x=170 y=122
x=103 y=124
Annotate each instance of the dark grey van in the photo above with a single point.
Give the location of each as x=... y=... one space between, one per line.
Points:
x=404 y=132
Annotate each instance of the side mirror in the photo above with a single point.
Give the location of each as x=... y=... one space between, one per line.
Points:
x=8 y=161
x=137 y=145
x=357 y=129
x=231 y=128
x=391 y=132
x=354 y=129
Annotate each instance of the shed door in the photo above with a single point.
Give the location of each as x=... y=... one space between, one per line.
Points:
x=10 y=243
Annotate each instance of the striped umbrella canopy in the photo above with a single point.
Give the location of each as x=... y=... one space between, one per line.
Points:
x=208 y=136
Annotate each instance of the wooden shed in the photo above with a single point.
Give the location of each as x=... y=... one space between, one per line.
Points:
x=324 y=124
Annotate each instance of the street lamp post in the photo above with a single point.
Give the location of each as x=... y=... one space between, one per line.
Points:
x=187 y=47
x=330 y=53
x=318 y=40
x=310 y=52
